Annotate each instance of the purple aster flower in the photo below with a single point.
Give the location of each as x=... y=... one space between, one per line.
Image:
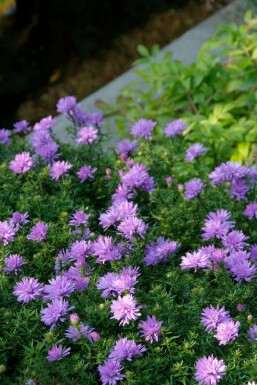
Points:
x=217 y=225
x=138 y=177
x=122 y=194
x=252 y=334
x=66 y=105
x=212 y=317
x=38 y=232
x=21 y=126
x=227 y=331
x=126 y=280
x=251 y=210
x=7 y=232
x=79 y=218
x=79 y=277
x=242 y=269
x=131 y=227
x=44 y=124
x=18 y=218
x=58 y=287
x=227 y=172
x=59 y=169
x=235 y=240
x=176 y=127
x=194 y=151
x=119 y=211
x=143 y=128
x=13 y=264
x=193 y=188
x=57 y=353
x=159 y=251
x=125 y=309
x=54 y=312
x=106 y=250
x=209 y=370
x=87 y=135
x=76 y=332
x=27 y=289
x=5 y=136
x=62 y=260
x=105 y=284
x=196 y=260
x=79 y=250
x=150 y=328
x=126 y=146
x=48 y=151
x=110 y=372
x=86 y=172
x=125 y=349
x=238 y=189
x=215 y=255
x=21 y=163
x=251 y=383
x=253 y=252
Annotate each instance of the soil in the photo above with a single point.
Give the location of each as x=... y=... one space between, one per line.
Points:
x=83 y=78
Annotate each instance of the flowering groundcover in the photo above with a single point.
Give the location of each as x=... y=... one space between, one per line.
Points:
x=136 y=266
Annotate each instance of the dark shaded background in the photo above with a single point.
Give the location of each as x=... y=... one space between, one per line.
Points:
x=45 y=34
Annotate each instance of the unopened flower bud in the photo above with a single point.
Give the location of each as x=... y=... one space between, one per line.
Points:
x=95 y=336
x=240 y=307
x=169 y=180
x=74 y=318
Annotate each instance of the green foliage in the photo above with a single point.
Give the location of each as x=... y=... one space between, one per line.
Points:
x=216 y=95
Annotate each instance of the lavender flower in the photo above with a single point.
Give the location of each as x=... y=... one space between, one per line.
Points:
x=138 y=177
x=238 y=189
x=251 y=210
x=27 y=289
x=86 y=172
x=74 y=333
x=196 y=260
x=193 y=188
x=58 y=288
x=131 y=227
x=227 y=331
x=150 y=328
x=126 y=280
x=252 y=334
x=126 y=146
x=62 y=259
x=253 y=252
x=54 y=312
x=76 y=275
x=235 y=240
x=79 y=250
x=212 y=317
x=122 y=194
x=110 y=372
x=209 y=370
x=227 y=172
x=45 y=124
x=176 y=127
x=66 y=105
x=106 y=250
x=194 y=151
x=59 y=169
x=242 y=269
x=143 y=128
x=22 y=163
x=5 y=136
x=7 y=232
x=79 y=218
x=21 y=126
x=159 y=251
x=105 y=284
x=217 y=225
x=13 y=264
x=87 y=135
x=18 y=218
x=125 y=349
x=57 y=353
x=125 y=309
x=43 y=143
x=38 y=232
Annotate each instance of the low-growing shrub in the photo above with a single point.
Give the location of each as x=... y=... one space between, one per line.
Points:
x=136 y=266
x=216 y=95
